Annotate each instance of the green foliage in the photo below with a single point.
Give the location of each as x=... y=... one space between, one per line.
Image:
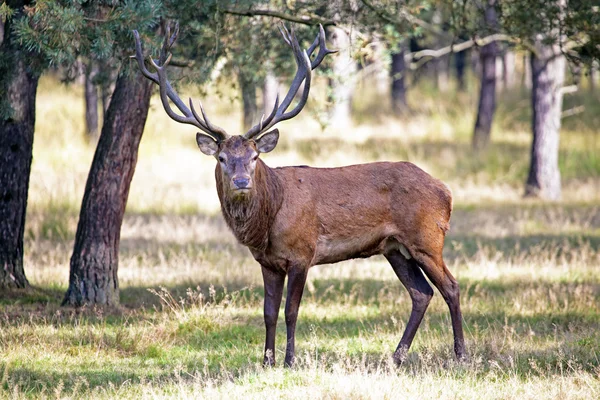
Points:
x=62 y=31
x=6 y=12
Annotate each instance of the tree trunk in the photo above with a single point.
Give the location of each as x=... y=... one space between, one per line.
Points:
x=94 y=263
x=508 y=69
x=248 y=88
x=460 y=60
x=487 y=92
x=526 y=78
x=398 y=77
x=341 y=84
x=18 y=85
x=441 y=64
x=593 y=75
x=91 y=101
x=269 y=92
x=548 y=74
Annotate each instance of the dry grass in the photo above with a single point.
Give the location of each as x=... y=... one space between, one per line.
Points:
x=528 y=273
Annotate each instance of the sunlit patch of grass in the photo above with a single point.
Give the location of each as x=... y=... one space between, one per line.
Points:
x=529 y=293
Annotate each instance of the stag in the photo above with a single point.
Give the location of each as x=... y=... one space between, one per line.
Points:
x=293 y=218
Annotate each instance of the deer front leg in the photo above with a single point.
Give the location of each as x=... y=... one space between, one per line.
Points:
x=296 y=281
x=273 y=291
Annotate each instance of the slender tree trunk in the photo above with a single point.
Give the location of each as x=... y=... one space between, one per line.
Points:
x=593 y=75
x=441 y=64
x=526 y=78
x=341 y=85
x=460 y=60
x=508 y=69
x=91 y=101
x=398 y=77
x=548 y=74
x=94 y=263
x=18 y=87
x=269 y=92
x=487 y=92
x=248 y=88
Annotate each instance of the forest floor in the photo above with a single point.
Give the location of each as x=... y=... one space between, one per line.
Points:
x=190 y=322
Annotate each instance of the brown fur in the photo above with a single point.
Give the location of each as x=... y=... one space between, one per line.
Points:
x=292 y=218
x=250 y=217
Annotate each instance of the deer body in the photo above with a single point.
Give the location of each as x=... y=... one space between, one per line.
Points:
x=292 y=218
x=327 y=215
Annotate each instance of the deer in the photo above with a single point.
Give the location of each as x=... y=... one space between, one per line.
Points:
x=293 y=218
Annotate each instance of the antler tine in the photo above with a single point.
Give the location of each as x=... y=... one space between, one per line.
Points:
x=303 y=73
x=209 y=125
x=323 y=50
x=139 y=56
x=166 y=90
x=285 y=33
x=257 y=129
x=313 y=46
x=300 y=73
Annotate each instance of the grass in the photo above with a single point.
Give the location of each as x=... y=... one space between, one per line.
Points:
x=191 y=323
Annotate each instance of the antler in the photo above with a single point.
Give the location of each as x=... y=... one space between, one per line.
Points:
x=166 y=90
x=303 y=73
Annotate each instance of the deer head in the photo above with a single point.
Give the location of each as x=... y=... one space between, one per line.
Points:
x=237 y=155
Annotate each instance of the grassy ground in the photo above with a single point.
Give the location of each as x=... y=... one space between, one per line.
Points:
x=191 y=325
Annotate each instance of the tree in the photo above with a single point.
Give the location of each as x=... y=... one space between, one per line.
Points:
x=91 y=100
x=548 y=74
x=341 y=83
x=250 y=107
x=94 y=264
x=487 y=92
x=398 y=72
x=18 y=85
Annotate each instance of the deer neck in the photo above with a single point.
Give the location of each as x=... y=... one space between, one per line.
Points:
x=251 y=216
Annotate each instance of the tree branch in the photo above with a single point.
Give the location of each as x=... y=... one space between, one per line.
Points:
x=405 y=17
x=426 y=55
x=301 y=19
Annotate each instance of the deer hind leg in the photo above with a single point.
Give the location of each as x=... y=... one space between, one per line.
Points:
x=420 y=293
x=437 y=272
x=296 y=281
x=273 y=292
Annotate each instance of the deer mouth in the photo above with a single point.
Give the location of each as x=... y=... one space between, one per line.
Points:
x=241 y=192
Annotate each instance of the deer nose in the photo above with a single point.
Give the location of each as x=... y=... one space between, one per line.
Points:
x=241 y=183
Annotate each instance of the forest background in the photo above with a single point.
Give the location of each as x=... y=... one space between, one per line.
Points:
x=499 y=99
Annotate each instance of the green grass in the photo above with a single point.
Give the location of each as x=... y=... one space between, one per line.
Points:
x=190 y=322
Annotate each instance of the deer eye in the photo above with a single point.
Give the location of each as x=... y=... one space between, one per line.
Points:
x=255 y=157
x=221 y=159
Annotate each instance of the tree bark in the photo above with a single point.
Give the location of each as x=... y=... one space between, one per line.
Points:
x=248 y=88
x=93 y=274
x=460 y=60
x=341 y=84
x=398 y=77
x=487 y=92
x=548 y=74
x=18 y=85
x=91 y=101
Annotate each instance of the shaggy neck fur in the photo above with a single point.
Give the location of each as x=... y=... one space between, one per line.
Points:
x=251 y=216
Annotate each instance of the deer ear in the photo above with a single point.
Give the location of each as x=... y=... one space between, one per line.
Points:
x=268 y=141
x=207 y=145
